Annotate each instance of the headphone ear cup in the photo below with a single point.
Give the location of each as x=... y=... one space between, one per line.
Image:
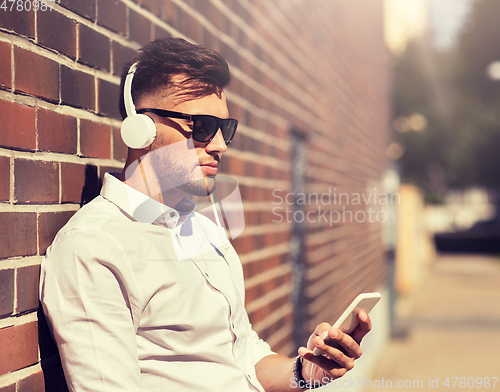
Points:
x=138 y=131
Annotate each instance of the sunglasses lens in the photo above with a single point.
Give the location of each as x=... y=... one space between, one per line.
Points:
x=204 y=128
x=228 y=130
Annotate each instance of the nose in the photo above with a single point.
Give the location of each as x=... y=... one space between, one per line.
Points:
x=217 y=144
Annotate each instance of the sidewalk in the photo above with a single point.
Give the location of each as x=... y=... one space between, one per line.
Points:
x=454 y=330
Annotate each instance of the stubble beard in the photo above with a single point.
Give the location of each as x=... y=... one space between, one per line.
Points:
x=184 y=182
x=183 y=177
x=201 y=187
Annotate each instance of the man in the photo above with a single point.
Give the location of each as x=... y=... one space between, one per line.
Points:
x=141 y=292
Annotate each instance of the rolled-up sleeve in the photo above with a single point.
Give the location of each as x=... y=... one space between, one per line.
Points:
x=259 y=347
x=86 y=294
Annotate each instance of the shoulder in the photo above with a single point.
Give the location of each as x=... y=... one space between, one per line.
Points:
x=89 y=247
x=91 y=230
x=95 y=215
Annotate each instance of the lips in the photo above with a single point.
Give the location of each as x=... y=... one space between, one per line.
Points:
x=209 y=169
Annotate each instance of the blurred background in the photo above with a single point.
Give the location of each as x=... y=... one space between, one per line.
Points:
x=445 y=149
x=366 y=157
x=445 y=115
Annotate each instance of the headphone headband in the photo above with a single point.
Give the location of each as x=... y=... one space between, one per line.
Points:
x=127 y=91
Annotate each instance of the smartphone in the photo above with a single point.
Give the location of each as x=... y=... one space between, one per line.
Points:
x=348 y=322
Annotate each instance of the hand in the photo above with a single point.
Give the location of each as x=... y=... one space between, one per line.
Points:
x=336 y=361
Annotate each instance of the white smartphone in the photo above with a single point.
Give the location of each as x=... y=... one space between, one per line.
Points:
x=348 y=322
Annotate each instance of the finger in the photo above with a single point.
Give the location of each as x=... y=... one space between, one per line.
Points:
x=365 y=325
x=331 y=368
x=320 y=328
x=340 y=340
x=339 y=347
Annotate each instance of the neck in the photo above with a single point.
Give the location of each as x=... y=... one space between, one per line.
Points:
x=137 y=175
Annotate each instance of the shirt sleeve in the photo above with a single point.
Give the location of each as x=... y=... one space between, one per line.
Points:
x=260 y=348
x=85 y=294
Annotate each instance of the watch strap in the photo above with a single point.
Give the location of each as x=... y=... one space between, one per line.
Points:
x=299 y=379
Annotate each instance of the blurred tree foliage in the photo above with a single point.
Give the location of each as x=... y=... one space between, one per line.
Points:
x=460 y=144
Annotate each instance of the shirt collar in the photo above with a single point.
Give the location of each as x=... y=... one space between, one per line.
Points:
x=141 y=207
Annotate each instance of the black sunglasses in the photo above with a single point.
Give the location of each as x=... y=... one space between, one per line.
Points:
x=205 y=127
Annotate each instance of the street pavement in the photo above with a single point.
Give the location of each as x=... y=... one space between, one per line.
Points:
x=453 y=341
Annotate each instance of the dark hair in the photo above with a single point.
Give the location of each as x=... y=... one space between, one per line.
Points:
x=205 y=69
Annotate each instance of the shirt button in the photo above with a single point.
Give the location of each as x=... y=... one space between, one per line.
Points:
x=248 y=375
x=206 y=273
x=232 y=325
x=172 y=214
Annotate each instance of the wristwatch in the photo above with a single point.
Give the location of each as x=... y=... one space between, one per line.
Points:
x=299 y=380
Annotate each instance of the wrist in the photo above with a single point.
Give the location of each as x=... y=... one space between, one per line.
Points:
x=299 y=378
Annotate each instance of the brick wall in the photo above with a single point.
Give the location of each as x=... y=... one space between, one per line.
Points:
x=319 y=68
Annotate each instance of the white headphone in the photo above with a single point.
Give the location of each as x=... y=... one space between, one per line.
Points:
x=138 y=130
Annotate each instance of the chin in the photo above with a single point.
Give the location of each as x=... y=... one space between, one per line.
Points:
x=199 y=187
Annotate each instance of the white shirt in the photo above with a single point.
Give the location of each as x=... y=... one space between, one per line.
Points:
x=141 y=297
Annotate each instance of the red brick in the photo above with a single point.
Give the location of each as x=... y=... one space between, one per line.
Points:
x=17 y=126
x=22 y=22
x=36 y=181
x=50 y=25
x=33 y=383
x=153 y=6
x=193 y=28
x=121 y=55
x=6 y=292
x=216 y=17
x=49 y=224
x=85 y=8
x=56 y=132
x=161 y=33
x=95 y=139
x=72 y=181
x=109 y=94
x=139 y=28
x=9 y=388
x=77 y=88
x=5 y=65
x=207 y=39
x=174 y=16
x=27 y=282
x=202 y=6
x=17 y=234
x=113 y=15
x=4 y=178
x=36 y=75
x=120 y=150
x=19 y=347
x=225 y=164
x=95 y=48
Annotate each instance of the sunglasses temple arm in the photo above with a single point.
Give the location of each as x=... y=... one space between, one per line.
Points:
x=161 y=113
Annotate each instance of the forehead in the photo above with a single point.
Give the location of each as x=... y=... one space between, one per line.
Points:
x=174 y=97
x=179 y=90
x=167 y=96
x=213 y=104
